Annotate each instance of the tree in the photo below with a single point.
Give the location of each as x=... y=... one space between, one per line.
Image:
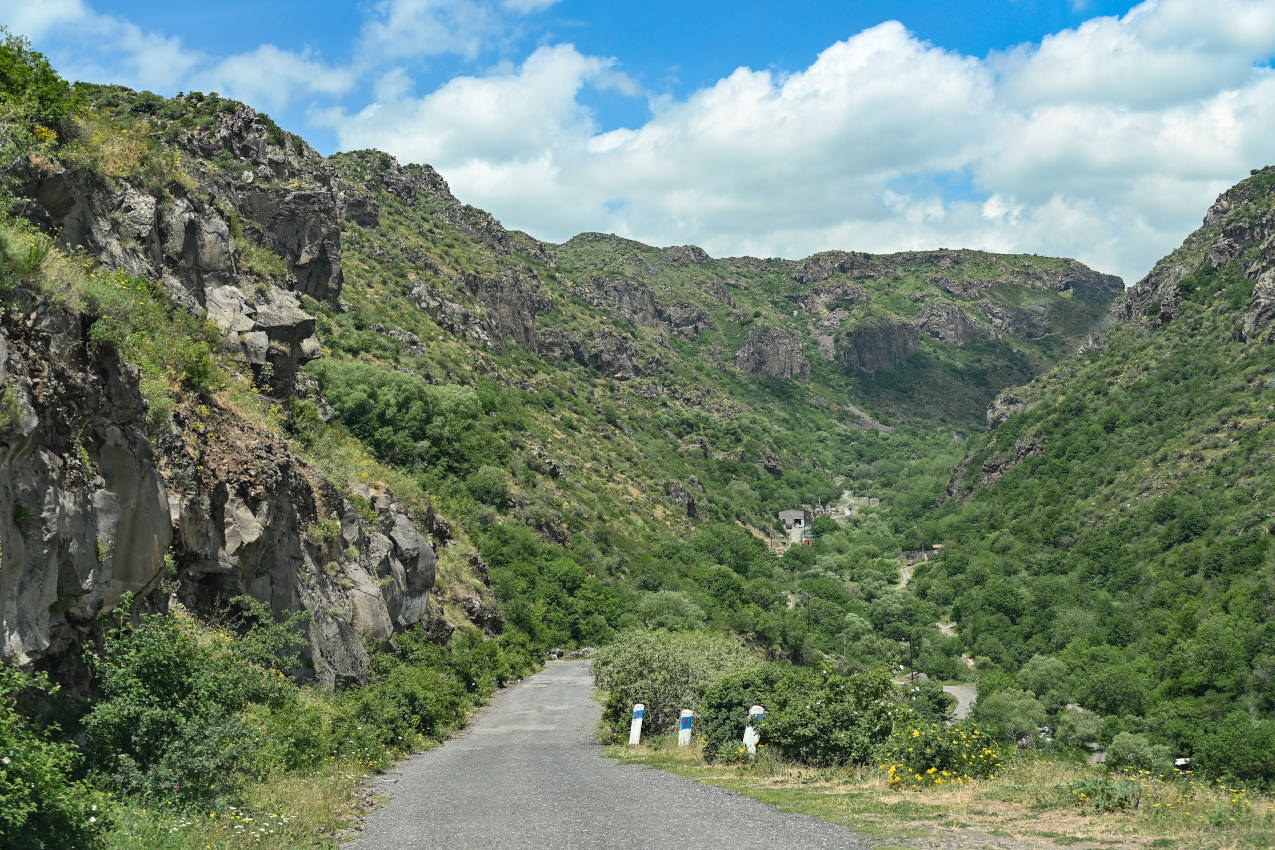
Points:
x=29 y=83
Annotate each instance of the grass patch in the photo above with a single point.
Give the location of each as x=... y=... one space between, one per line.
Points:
x=1030 y=801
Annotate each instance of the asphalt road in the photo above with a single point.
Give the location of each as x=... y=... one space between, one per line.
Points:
x=527 y=774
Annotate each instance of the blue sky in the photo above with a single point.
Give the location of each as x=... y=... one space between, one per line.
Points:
x=1091 y=129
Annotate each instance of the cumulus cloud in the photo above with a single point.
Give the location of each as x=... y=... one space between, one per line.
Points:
x=269 y=77
x=400 y=29
x=1105 y=142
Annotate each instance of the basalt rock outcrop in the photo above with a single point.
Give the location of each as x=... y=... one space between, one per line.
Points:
x=773 y=353
x=948 y=322
x=83 y=513
x=1235 y=230
x=417 y=184
x=91 y=508
x=610 y=352
x=825 y=264
x=679 y=495
x=191 y=234
x=878 y=346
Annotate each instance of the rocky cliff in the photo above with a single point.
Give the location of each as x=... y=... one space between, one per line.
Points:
x=97 y=499
x=879 y=346
x=92 y=508
x=773 y=353
x=1236 y=239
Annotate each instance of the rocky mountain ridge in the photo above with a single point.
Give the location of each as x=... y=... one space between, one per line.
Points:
x=99 y=502
x=250 y=228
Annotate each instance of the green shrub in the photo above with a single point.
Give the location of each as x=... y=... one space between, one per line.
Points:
x=827 y=719
x=489 y=485
x=1009 y=715
x=935 y=754
x=167 y=724
x=395 y=715
x=1076 y=728
x=812 y=717
x=665 y=671
x=722 y=714
x=1104 y=793
x=22 y=250
x=40 y=804
x=1239 y=747
x=1132 y=750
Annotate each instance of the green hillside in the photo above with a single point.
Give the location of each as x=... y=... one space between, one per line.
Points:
x=1127 y=533
x=317 y=443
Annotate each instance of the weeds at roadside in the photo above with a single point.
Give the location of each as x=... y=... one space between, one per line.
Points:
x=1030 y=799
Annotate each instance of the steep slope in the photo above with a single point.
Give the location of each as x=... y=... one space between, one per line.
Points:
x=175 y=481
x=607 y=423
x=1119 y=516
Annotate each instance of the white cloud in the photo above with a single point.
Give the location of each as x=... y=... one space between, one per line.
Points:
x=499 y=118
x=527 y=7
x=35 y=20
x=1106 y=142
x=1162 y=52
x=268 y=77
x=97 y=47
x=399 y=29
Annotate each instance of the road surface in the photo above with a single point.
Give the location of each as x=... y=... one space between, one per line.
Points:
x=527 y=774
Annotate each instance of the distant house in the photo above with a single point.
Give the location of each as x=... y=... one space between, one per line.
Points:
x=796 y=519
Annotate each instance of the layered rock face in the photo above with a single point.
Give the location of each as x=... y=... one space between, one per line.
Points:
x=83 y=513
x=948 y=322
x=610 y=352
x=92 y=508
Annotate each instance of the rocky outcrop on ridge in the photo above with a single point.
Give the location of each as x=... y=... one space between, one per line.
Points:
x=1239 y=228
x=773 y=353
x=878 y=346
x=948 y=322
x=282 y=196
x=610 y=352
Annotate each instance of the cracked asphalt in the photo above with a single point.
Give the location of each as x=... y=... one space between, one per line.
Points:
x=528 y=774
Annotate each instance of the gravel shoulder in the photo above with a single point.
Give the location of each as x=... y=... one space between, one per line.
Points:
x=528 y=774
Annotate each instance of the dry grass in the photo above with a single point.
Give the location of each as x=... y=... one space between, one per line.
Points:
x=303 y=811
x=1035 y=803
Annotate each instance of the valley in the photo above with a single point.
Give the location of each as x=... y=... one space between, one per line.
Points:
x=361 y=456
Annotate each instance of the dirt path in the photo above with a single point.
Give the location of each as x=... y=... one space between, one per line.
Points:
x=905 y=575
x=966 y=696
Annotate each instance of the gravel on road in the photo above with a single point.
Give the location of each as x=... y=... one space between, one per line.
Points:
x=528 y=774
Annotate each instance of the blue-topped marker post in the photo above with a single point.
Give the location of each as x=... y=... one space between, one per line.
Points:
x=684 y=729
x=635 y=728
x=751 y=734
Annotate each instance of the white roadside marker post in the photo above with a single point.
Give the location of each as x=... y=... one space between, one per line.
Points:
x=635 y=729
x=751 y=735
x=684 y=731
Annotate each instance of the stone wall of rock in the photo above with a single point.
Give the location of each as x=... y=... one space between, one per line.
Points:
x=610 y=352
x=947 y=321
x=83 y=513
x=773 y=353
x=877 y=347
x=89 y=507
x=283 y=197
